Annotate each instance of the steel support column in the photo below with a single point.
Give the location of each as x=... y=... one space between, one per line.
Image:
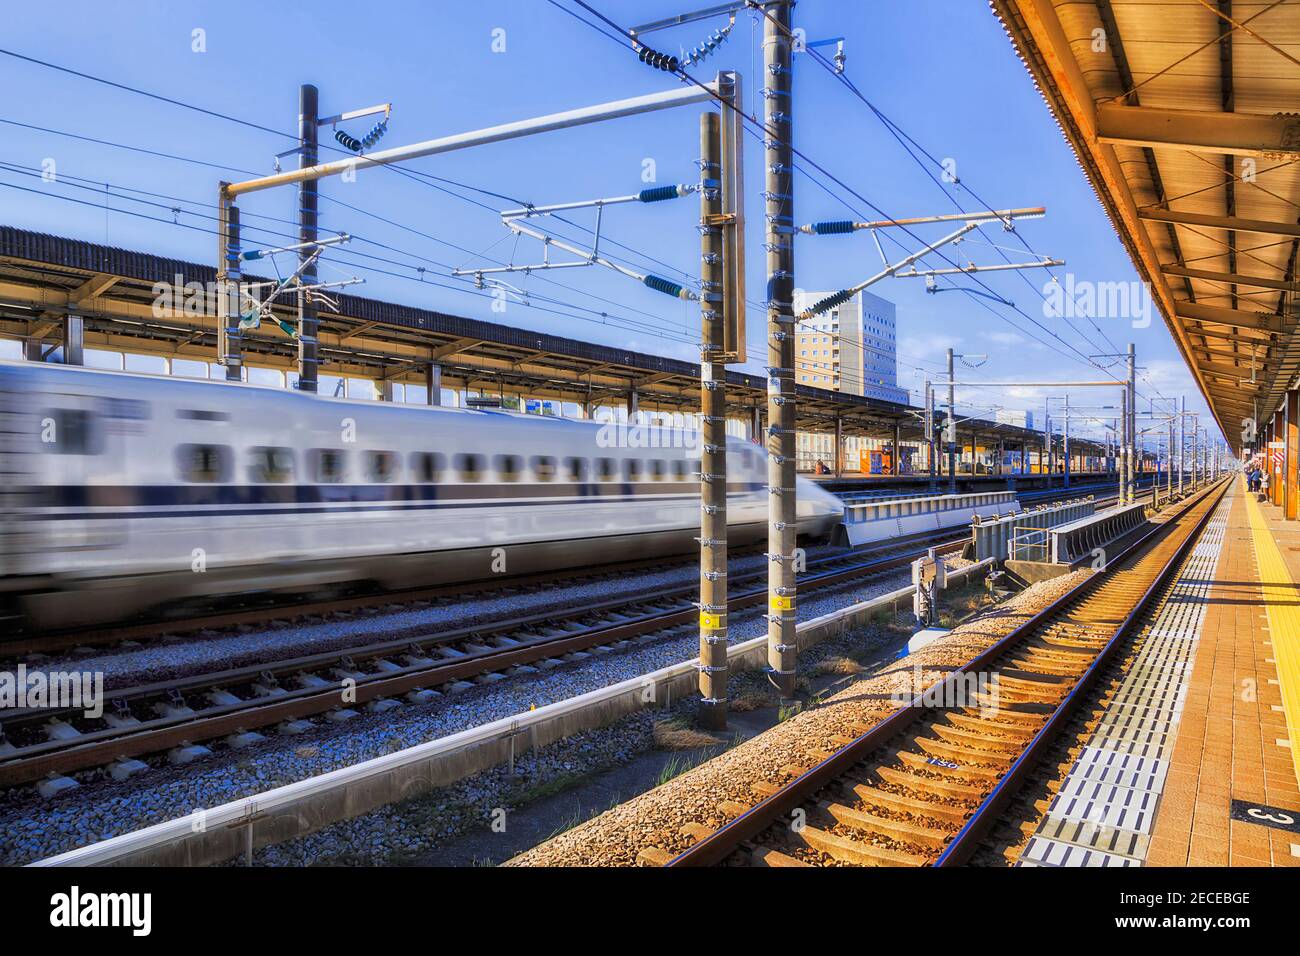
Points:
x=433 y=384
x=229 y=335
x=73 y=340
x=308 y=221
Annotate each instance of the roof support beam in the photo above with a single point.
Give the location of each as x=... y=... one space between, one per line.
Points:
x=1242 y=134
x=1261 y=226
x=1236 y=318
x=451 y=348
x=1233 y=278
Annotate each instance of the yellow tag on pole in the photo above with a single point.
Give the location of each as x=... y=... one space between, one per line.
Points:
x=780 y=603
x=710 y=622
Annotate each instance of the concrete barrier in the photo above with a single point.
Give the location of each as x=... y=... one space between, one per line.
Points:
x=221 y=833
x=879 y=521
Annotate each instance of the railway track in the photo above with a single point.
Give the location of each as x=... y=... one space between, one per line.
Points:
x=416 y=665
x=269 y=610
x=926 y=784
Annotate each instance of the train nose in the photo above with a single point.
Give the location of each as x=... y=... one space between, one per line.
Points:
x=820 y=512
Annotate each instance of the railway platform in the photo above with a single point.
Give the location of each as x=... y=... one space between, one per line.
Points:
x=1231 y=796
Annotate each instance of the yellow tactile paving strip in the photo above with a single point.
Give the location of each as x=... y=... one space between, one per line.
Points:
x=1226 y=746
x=1282 y=604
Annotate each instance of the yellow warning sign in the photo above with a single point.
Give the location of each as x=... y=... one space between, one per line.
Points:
x=779 y=603
x=711 y=622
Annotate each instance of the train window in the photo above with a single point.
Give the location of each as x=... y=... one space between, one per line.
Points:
x=575 y=469
x=71 y=431
x=606 y=469
x=268 y=465
x=329 y=465
x=543 y=467
x=658 y=469
x=469 y=467
x=679 y=469
x=427 y=466
x=381 y=466
x=632 y=469
x=508 y=467
x=203 y=463
x=202 y=415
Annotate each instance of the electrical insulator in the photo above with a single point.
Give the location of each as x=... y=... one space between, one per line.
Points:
x=660 y=61
x=708 y=46
x=830 y=302
x=373 y=135
x=376 y=133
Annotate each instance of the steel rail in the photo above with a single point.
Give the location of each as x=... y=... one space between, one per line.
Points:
x=721 y=843
x=100 y=747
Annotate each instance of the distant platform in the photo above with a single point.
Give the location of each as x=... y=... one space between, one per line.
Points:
x=966 y=484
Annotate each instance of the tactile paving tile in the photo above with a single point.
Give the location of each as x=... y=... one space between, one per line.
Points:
x=1104 y=811
x=1045 y=852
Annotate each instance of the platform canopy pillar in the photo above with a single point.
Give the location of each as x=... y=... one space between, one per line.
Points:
x=433 y=384
x=1292 y=454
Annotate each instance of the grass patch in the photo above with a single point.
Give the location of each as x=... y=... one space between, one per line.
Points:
x=676 y=734
x=838 y=665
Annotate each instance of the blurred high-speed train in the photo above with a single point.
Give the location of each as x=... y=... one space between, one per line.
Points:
x=123 y=492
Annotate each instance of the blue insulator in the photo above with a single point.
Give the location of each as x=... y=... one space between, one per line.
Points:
x=831 y=301
x=831 y=228
x=376 y=133
x=657 y=194
x=664 y=286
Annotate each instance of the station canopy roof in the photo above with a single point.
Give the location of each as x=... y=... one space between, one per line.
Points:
x=44 y=278
x=1183 y=115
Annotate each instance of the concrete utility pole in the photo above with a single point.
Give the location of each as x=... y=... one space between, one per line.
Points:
x=713 y=457
x=308 y=220
x=950 y=430
x=778 y=106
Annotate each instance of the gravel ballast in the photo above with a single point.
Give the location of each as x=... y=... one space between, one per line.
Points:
x=34 y=827
x=655 y=819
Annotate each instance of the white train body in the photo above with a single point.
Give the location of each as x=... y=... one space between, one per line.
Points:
x=123 y=492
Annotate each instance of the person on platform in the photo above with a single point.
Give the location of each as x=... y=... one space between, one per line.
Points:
x=1263 y=486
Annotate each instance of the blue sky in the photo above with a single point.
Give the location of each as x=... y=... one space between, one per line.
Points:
x=942 y=70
